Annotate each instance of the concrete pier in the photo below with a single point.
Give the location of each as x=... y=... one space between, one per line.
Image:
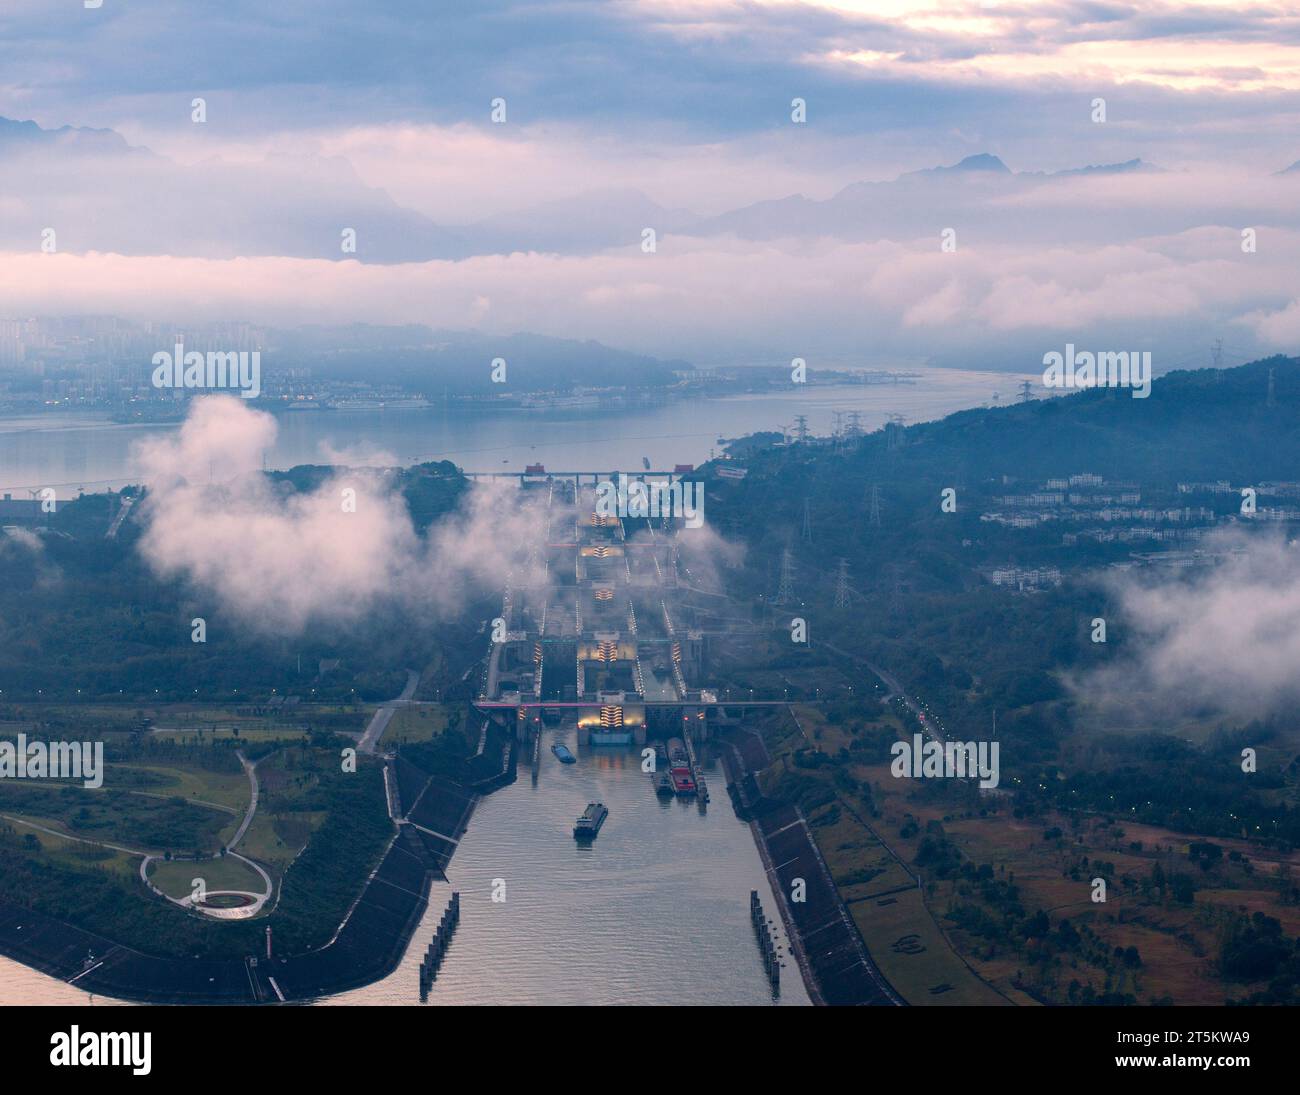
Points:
x=766 y=944
x=438 y=946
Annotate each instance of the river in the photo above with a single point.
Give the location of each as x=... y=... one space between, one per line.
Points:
x=74 y=449
x=654 y=911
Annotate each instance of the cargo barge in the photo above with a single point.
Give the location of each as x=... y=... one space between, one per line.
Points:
x=590 y=821
x=679 y=767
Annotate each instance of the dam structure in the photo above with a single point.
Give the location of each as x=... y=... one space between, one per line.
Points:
x=599 y=625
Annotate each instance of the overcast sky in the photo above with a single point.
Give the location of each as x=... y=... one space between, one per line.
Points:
x=369 y=112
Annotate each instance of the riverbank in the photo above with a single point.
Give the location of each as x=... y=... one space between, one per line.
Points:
x=827 y=948
x=367 y=946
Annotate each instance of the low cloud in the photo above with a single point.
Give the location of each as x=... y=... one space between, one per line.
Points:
x=1219 y=642
x=22 y=546
x=729 y=299
x=279 y=560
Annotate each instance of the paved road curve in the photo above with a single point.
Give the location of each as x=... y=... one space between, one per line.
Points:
x=382 y=717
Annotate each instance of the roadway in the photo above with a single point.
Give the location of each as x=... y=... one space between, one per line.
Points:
x=382 y=717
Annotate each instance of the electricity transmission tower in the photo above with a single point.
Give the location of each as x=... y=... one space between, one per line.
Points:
x=785 y=591
x=1026 y=392
x=894 y=432
x=873 y=518
x=842 y=585
x=807 y=523
x=801 y=427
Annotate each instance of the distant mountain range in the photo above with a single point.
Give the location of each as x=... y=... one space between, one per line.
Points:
x=457 y=362
x=142 y=203
x=100 y=193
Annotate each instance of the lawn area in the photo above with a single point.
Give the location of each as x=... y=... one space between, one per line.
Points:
x=431 y=683
x=830 y=737
x=899 y=930
x=227 y=733
x=914 y=956
x=175 y=877
x=275 y=839
x=229 y=789
x=860 y=865
x=73 y=853
x=118 y=817
x=75 y=720
x=417 y=723
x=290 y=808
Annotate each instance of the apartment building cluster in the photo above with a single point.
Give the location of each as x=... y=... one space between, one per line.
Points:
x=105 y=361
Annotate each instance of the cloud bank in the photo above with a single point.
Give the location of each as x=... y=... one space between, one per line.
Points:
x=1224 y=641
x=279 y=561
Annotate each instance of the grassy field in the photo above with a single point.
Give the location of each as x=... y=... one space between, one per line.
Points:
x=175 y=877
x=901 y=935
x=861 y=866
x=829 y=737
x=275 y=839
x=900 y=931
x=906 y=944
x=94 y=721
x=118 y=817
x=431 y=678
x=417 y=723
x=228 y=789
x=287 y=815
x=257 y=733
x=72 y=852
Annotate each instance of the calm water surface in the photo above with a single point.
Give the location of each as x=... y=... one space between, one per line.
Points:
x=83 y=449
x=655 y=911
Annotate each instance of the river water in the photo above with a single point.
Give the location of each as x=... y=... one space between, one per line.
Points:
x=654 y=911
x=72 y=449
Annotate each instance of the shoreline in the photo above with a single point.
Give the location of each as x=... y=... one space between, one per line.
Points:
x=841 y=973
x=490 y=433
x=367 y=946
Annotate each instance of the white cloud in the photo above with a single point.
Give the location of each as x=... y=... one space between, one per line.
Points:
x=278 y=560
x=1223 y=640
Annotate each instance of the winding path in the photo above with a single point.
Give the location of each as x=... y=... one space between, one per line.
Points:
x=251 y=769
x=78 y=839
x=239 y=912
